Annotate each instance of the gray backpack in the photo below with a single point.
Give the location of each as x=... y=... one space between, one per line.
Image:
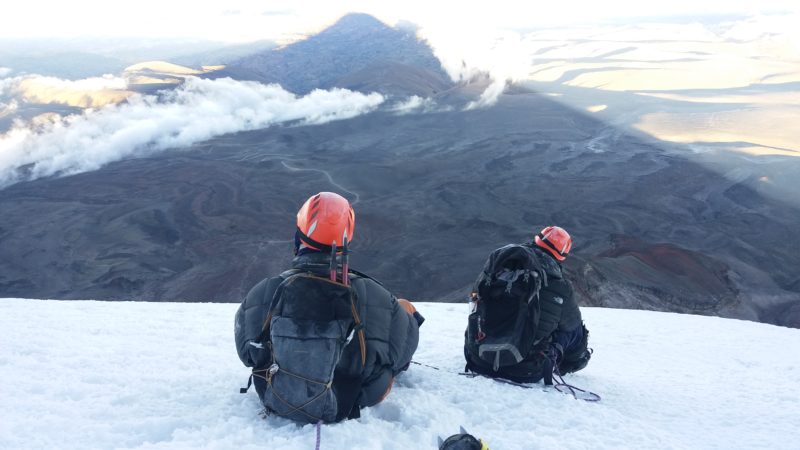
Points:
x=311 y=322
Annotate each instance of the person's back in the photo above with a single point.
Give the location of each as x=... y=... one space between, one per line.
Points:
x=376 y=334
x=560 y=340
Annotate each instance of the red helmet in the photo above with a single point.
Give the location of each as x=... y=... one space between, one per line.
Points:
x=325 y=219
x=555 y=240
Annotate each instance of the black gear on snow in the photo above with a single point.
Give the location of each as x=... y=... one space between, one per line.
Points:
x=462 y=441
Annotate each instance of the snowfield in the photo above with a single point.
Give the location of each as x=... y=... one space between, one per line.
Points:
x=136 y=375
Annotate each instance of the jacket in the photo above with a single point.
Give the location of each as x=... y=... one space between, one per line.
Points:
x=560 y=319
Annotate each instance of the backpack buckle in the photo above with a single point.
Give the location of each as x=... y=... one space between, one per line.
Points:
x=273 y=369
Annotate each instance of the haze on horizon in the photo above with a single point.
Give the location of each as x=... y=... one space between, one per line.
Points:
x=246 y=20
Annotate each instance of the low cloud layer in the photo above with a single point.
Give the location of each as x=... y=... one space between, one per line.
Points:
x=196 y=111
x=414 y=104
x=91 y=92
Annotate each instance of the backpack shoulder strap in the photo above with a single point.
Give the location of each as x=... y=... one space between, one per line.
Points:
x=355 y=310
x=359 y=328
x=285 y=275
x=363 y=275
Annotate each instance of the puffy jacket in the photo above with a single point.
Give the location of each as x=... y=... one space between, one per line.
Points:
x=559 y=310
x=391 y=334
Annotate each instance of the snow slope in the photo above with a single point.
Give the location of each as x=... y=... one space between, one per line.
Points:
x=102 y=375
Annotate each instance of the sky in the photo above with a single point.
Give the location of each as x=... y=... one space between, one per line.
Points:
x=247 y=20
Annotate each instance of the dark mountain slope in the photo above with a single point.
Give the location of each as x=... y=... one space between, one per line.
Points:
x=434 y=193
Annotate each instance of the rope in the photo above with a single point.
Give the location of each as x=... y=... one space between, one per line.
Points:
x=269 y=379
x=299 y=408
x=429 y=366
x=319 y=434
x=560 y=383
x=292 y=407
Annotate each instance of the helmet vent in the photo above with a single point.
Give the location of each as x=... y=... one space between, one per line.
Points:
x=311 y=229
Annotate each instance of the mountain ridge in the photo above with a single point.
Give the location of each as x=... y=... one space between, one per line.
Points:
x=351 y=45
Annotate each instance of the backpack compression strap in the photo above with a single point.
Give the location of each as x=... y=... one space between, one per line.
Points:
x=359 y=328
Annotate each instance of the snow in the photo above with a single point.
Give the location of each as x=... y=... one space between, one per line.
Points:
x=108 y=375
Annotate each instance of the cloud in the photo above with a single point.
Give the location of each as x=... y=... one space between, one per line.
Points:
x=414 y=103
x=472 y=52
x=86 y=84
x=4 y=72
x=92 y=92
x=278 y=12
x=196 y=111
x=8 y=108
x=489 y=96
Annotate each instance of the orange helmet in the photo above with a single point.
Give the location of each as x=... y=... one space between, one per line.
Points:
x=325 y=219
x=555 y=240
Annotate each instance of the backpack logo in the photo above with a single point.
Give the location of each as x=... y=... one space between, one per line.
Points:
x=505 y=307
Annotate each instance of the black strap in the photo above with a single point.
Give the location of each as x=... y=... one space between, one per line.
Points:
x=550 y=244
x=347 y=391
x=547 y=371
x=272 y=303
x=249 y=383
x=316 y=244
x=363 y=275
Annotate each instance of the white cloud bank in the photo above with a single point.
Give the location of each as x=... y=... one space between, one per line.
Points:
x=414 y=104
x=196 y=111
x=91 y=92
x=469 y=50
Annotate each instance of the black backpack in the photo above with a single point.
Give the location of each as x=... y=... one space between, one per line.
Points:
x=310 y=324
x=505 y=308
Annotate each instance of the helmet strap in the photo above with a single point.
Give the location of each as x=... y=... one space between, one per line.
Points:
x=318 y=245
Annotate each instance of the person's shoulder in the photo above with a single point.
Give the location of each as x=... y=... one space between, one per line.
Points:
x=268 y=283
x=372 y=288
x=551 y=267
x=370 y=283
x=361 y=277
